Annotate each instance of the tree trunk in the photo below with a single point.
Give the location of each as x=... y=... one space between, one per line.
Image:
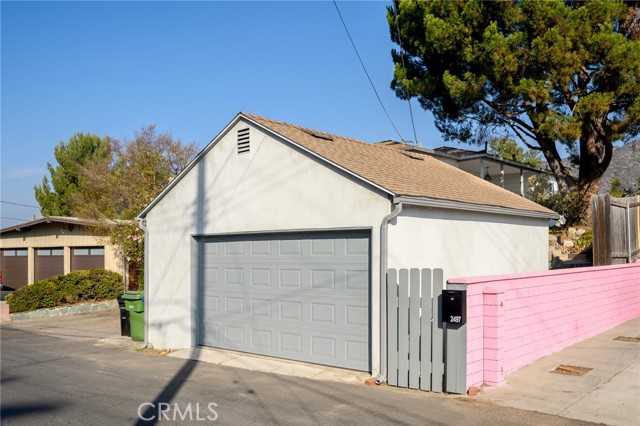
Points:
x=565 y=181
x=596 y=152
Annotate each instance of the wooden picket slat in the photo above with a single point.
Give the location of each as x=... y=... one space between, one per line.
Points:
x=392 y=327
x=403 y=329
x=437 y=335
x=425 y=327
x=414 y=329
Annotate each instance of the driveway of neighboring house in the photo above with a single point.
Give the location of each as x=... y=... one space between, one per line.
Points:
x=75 y=370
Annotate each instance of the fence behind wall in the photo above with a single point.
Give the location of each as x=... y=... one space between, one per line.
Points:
x=616 y=234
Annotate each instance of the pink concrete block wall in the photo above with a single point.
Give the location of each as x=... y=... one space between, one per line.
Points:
x=513 y=320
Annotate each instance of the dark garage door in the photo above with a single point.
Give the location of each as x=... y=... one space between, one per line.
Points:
x=87 y=258
x=49 y=262
x=296 y=296
x=14 y=267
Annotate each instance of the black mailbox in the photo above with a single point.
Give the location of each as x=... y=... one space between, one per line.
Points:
x=454 y=306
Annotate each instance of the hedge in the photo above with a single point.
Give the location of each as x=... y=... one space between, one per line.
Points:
x=77 y=286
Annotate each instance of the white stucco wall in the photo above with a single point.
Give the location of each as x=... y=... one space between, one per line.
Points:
x=272 y=188
x=466 y=243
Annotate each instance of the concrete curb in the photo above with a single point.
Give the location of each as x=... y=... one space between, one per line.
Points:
x=64 y=310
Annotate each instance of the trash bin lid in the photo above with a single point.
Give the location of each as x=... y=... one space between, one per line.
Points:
x=133 y=295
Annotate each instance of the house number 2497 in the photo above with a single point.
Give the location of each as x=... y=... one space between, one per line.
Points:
x=457 y=319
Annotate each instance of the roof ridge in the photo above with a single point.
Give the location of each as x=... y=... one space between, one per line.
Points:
x=309 y=129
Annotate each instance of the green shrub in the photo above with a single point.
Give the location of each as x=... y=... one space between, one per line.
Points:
x=585 y=242
x=574 y=206
x=77 y=286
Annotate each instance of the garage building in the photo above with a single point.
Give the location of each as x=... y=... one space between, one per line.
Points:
x=273 y=241
x=49 y=246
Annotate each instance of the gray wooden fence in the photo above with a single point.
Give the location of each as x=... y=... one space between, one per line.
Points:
x=417 y=338
x=616 y=233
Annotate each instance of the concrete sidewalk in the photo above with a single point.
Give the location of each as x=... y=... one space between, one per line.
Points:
x=267 y=364
x=608 y=394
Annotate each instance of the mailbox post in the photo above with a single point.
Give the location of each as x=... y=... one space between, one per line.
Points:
x=454 y=319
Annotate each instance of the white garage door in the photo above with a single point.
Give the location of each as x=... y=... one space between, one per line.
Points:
x=296 y=296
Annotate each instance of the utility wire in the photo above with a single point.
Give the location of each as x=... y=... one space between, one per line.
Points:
x=17 y=204
x=365 y=71
x=413 y=124
x=13 y=218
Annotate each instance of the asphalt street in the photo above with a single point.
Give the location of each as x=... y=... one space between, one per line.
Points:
x=53 y=372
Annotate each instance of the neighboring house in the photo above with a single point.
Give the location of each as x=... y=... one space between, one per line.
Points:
x=275 y=240
x=508 y=174
x=49 y=246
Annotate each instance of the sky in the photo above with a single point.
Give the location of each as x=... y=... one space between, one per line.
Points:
x=111 y=68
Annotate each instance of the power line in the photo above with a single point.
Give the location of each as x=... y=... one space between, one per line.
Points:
x=13 y=218
x=413 y=124
x=365 y=71
x=18 y=204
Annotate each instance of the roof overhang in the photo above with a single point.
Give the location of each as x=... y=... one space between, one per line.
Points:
x=48 y=219
x=482 y=208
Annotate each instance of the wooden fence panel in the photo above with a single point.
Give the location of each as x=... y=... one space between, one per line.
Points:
x=616 y=234
x=415 y=349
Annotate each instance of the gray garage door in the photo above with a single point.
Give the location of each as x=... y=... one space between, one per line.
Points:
x=302 y=296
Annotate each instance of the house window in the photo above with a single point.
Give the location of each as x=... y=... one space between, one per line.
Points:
x=14 y=253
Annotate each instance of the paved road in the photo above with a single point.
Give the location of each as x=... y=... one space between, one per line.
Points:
x=53 y=372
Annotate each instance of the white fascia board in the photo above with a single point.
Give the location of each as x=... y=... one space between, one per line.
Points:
x=318 y=156
x=505 y=161
x=483 y=208
x=187 y=169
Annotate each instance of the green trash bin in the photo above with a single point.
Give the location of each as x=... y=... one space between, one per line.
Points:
x=134 y=303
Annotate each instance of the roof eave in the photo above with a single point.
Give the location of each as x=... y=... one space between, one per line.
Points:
x=496 y=159
x=189 y=167
x=483 y=208
x=47 y=219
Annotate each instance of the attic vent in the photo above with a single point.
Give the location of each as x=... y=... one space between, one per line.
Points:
x=321 y=136
x=318 y=135
x=243 y=141
x=415 y=157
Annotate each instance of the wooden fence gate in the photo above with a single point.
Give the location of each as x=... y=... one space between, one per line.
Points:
x=616 y=233
x=422 y=352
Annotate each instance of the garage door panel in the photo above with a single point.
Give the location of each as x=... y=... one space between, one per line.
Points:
x=14 y=268
x=303 y=297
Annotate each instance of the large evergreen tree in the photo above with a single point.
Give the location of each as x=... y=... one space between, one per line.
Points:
x=55 y=194
x=555 y=74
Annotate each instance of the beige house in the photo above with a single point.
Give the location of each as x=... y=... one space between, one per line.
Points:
x=49 y=246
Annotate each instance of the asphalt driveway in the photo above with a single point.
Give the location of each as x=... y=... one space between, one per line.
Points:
x=65 y=371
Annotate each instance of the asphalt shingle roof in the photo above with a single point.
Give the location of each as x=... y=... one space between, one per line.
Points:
x=401 y=173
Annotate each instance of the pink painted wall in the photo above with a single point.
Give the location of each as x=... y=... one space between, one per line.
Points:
x=513 y=320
